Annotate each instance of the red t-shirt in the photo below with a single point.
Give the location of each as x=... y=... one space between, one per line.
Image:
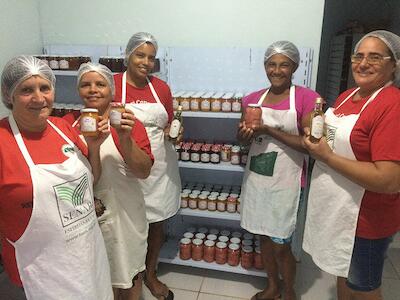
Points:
x=375 y=138
x=144 y=95
x=16 y=192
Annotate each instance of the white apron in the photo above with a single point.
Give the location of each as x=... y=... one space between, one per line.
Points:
x=272 y=180
x=334 y=201
x=61 y=254
x=123 y=223
x=162 y=188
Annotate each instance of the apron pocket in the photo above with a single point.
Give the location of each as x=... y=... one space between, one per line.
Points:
x=264 y=163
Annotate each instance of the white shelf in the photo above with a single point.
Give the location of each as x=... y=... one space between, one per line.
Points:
x=218 y=115
x=222 y=166
x=209 y=214
x=169 y=254
x=65 y=73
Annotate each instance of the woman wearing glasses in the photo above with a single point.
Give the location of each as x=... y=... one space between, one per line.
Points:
x=354 y=201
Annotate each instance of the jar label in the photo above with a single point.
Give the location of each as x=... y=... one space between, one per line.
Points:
x=226 y=106
x=184 y=203
x=185 y=105
x=235 y=159
x=225 y=156
x=194 y=157
x=88 y=124
x=194 y=105
x=185 y=155
x=317 y=127
x=64 y=64
x=221 y=206
x=54 y=64
x=205 y=105
x=216 y=106
x=193 y=203
x=212 y=206
x=115 y=117
x=236 y=107
x=215 y=157
x=231 y=207
x=203 y=204
x=205 y=157
x=175 y=104
x=174 y=129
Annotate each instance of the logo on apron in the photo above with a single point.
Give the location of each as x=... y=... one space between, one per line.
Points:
x=67 y=150
x=330 y=135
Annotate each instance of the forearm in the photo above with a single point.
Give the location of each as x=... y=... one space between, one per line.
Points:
x=291 y=140
x=95 y=163
x=137 y=160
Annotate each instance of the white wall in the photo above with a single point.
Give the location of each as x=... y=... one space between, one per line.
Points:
x=205 y=23
x=19 y=31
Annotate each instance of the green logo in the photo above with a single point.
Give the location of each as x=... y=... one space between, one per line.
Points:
x=73 y=195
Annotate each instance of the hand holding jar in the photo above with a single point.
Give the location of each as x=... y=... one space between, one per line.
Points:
x=97 y=137
x=126 y=124
x=252 y=116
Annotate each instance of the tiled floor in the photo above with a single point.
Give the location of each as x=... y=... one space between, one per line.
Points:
x=198 y=284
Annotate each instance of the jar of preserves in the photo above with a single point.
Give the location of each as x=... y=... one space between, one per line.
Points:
x=185 y=101
x=235 y=155
x=195 y=101
x=205 y=101
x=185 y=151
x=226 y=152
x=88 y=121
x=117 y=64
x=188 y=235
x=197 y=249
x=221 y=253
x=184 y=200
x=225 y=232
x=253 y=114
x=54 y=62
x=223 y=238
x=212 y=237
x=226 y=105
x=247 y=257
x=116 y=111
x=237 y=102
x=215 y=154
x=221 y=203
x=233 y=255
x=209 y=251
x=178 y=150
x=176 y=100
x=193 y=201
x=212 y=203
x=216 y=102
x=63 y=62
x=200 y=236
x=205 y=153
x=202 y=202
x=195 y=152
x=185 y=249
x=231 y=205
x=258 y=263
x=234 y=240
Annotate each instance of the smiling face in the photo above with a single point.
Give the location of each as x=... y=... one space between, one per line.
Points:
x=32 y=103
x=370 y=77
x=95 y=91
x=279 y=69
x=141 y=62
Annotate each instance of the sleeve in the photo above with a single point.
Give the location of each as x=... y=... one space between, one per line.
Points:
x=139 y=135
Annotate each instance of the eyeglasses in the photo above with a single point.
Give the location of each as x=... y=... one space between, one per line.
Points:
x=372 y=59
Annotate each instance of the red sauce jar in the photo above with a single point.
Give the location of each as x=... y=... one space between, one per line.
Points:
x=197 y=249
x=221 y=253
x=215 y=154
x=209 y=251
x=185 y=249
x=253 y=115
x=258 y=263
x=247 y=257
x=233 y=255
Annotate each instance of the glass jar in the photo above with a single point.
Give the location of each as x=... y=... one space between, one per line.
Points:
x=221 y=203
x=115 y=115
x=63 y=62
x=88 y=121
x=231 y=205
x=178 y=150
x=215 y=154
x=212 y=237
x=195 y=153
x=226 y=105
x=221 y=253
x=197 y=249
x=200 y=236
x=258 y=263
x=202 y=202
x=253 y=115
x=247 y=257
x=226 y=152
x=212 y=203
x=74 y=63
x=184 y=200
x=209 y=251
x=237 y=102
x=233 y=255
x=205 y=153
x=185 y=151
x=234 y=240
x=106 y=61
x=185 y=101
x=195 y=101
x=188 y=235
x=205 y=103
x=185 y=249
x=117 y=64
x=176 y=100
x=225 y=233
x=216 y=102
x=193 y=201
x=235 y=155
x=54 y=62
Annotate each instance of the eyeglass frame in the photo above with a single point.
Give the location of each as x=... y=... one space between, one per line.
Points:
x=353 y=57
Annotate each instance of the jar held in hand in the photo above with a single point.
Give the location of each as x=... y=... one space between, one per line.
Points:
x=253 y=116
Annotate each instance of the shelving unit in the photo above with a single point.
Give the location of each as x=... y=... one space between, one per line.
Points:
x=209 y=214
x=222 y=166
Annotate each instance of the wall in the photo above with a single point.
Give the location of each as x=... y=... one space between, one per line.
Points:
x=19 y=31
x=207 y=23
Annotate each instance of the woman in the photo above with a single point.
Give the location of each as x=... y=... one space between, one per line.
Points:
x=52 y=244
x=354 y=201
x=270 y=194
x=151 y=101
x=125 y=156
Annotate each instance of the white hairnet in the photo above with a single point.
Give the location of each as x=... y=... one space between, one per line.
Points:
x=137 y=40
x=19 y=69
x=99 y=68
x=285 y=48
x=392 y=41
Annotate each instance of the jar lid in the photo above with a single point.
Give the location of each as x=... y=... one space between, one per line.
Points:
x=197 y=242
x=200 y=236
x=193 y=196
x=218 y=95
x=235 y=240
x=221 y=245
x=212 y=237
x=225 y=232
x=78 y=107
x=247 y=249
x=205 y=193
x=247 y=242
x=231 y=199
x=215 y=194
x=214 y=231
x=207 y=95
x=187 y=191
x=222 y=198
x=209 y=243
x=197 y=192
x=89 y=110
x=234 y=246
x=236 y=149
x=224 y=194
x=236 y=234
x=203 y=230
x=184 y=195
x=70 y=106
x=223 y=238
x=185 y=241
x=188 y=235
x=202 y=196
x=254 y=105
x=191 y=229
x=228 y=96
x=178 y=94
x=212 y=197
x=248 y=236
x=233 y=195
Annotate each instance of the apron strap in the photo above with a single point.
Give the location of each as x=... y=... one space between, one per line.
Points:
x=123 y=94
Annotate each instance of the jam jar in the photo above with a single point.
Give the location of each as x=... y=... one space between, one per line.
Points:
x=233 y=255
x=205 y=153
x=235 y=155
x=185 y=101
x=258 y=263
x=221 y=203
x=185 y=249
x=197 y=249
x=221 y=253
x=184 y=200
x=115 y=116
x=185 y=151
x=195 y=101
x=88 y=121
x=202 y=202
x=253 y=114
x=247 y=257
x=193 y=199
x=236 y=234
x=226 y=105
x=234 y=240
x=216 y=102
x=209 y=251
x=205 y=104
x=176 y=100
x=223 y=238
x=74 y=63
x=215 y=154
x=231 y=204
x=178 y=150
x=106 y=61
x=54 y=62
x=237 y=102
x=63 y=62
x=212 y=203
x=244 y=154
x=226 y=152
x=195 y=152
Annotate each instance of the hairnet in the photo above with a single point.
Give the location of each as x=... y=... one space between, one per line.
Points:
x=137 y=40
x=392 y=41
x=99 y=68
x=19 y=69
x=285 y=48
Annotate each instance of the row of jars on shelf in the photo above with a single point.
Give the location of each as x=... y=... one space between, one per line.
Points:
x=211 y=201
x=212 y=153
x=222 y=247
x=61 y=109
x=220 y=188
x=72 y=62
x=208 y=101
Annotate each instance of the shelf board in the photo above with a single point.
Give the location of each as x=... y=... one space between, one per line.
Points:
x=217 y=115
x=169 y=254
x=222 y=166
x=209 y=214
x=65 y=72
